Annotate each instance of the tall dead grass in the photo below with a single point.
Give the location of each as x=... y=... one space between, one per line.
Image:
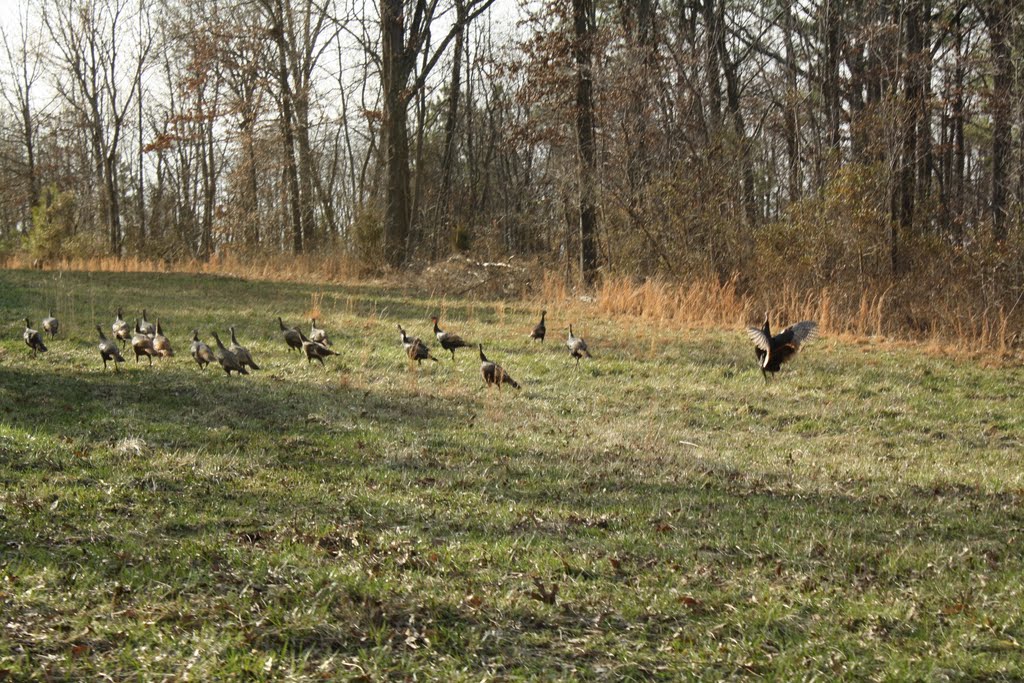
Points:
x=941 y=324
x=331 y=268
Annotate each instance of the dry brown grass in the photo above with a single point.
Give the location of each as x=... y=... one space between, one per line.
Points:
x=950 y=326
x=331 y=268
x=315 y=299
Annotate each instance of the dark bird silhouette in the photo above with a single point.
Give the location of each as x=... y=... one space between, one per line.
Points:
x=449 y=342
x=142 y=344
x=318 y=335
x=50 y=324
x=122 y=331
x=161 y=344
x=33 y=339
x=771 y=351
x=244 y=357
x=109 y=350
x=539 y=330
x=227 y=359
x=201 y=353
x=577 y=347
x=494 y=373
x=415 y=348
x=315 y=350
x=292 y=337
x=419 y=352
x=145 y=326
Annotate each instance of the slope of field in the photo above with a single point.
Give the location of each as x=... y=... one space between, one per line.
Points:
x=659 y=513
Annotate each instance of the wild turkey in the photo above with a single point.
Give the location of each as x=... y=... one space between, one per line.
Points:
x=318 y=335
x=292 y=337
x=145 y=326
x=244 y=357
x=109 y=350
x=771 y=351
x=201 y=353
x=577 y=347
x=449 y=342
x=33 y=339
x=415 y=348
x=142 y=344
x=494 y=373
x=766 y=330
x=227 y=359
x=406 y=341
x=161 y=344
x=121 y=329
x=539 y=329
x=50 y=324
x=315 y=350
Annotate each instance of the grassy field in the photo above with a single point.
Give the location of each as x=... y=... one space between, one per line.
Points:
x=659 y=514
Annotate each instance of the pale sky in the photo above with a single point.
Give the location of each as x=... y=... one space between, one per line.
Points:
x=503 y=16
x=502 y=10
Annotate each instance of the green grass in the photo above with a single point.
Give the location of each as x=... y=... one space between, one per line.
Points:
x=859 y=518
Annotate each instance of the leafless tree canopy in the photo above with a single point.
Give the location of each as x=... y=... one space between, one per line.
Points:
x=856 y=143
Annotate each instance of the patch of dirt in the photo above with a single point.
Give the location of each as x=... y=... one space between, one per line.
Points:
x=459 y=275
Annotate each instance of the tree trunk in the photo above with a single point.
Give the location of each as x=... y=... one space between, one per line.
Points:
x=732 y=87
x=30 y=151
x=956 y=188
x=142 y=174
x=925 y=162
x=712 y=70
x=207 y=166
x=251 y=188
x=583 y=46
x=450 y=125
x=638 y=26
x=415 y=212
x=287 y=129
x=307 y=170
x=791 y=107
x=911 y=109
x=396 y=161
x=997 y=19
x=395 y=133
x=830 y=79
x=856 y=60
x=112 y=203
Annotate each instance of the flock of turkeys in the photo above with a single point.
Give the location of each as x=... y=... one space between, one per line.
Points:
x=148 y=339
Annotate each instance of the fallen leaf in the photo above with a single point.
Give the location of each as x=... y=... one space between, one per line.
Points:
x=690 y=601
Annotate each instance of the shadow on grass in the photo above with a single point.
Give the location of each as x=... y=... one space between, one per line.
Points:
x=82 y=299
x=69 y=403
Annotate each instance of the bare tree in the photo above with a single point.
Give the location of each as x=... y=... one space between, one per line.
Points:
x=584 y=30
x=998 y=16
x=89 y=38
x=403 y=39
x=23 y=58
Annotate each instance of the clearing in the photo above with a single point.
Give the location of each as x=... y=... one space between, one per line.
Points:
x=659 y=514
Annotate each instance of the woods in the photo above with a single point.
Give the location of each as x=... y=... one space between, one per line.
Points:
x=872 y=144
